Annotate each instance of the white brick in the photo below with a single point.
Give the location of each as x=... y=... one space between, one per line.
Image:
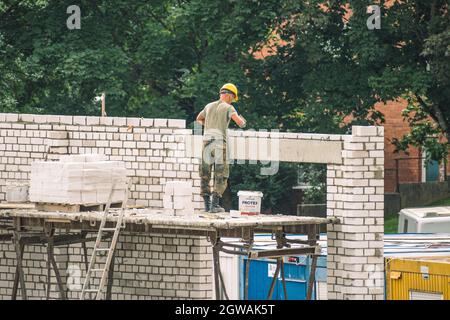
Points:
x=92 y=121
x=79 y=120
x=129 y=144
x=354 y=236
x=376 y=153
x=146 y=122
x=26 y=117
x=143 y=145
x=355 y=244
x=12 y=117
x=380 y=131
x=136 y=122
x=57 y=134
x=376 y=198
x=159 y=123
x=364 y=131
x=376 y=244
x=376 y=228
x=355 y=229
x=66 y=119
x=12 y=140
x=115 y=144
x=53 y=119
x=117 y=121
x=353 y=205
x=355 y=290
x=353 y=221
x=57 y=143
x=39 y=118
x=355 y=198
x=376 y=182
x=106 y=121
x=177 y=123
x=354 y=146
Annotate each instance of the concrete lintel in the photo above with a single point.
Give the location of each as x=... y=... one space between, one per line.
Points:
x=311 y=151
x=273 y=149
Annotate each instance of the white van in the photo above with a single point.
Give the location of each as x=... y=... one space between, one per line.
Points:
x=424 y=220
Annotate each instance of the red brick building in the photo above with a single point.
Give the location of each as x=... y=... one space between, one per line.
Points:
x=411 y=169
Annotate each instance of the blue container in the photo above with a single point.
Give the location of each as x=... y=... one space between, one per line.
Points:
x=296 y=274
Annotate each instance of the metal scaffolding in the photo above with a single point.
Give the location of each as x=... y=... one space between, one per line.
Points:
x=33 y=227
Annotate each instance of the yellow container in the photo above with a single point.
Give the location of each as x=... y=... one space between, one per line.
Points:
x=423 y=278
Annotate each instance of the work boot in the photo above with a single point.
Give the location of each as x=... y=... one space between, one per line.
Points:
x=207 y=201
x=215 y=208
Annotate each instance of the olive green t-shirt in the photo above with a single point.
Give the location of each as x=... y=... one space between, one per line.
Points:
x=217 y=116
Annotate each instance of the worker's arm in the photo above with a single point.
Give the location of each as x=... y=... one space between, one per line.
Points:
x=201 y=118
x=239 y=120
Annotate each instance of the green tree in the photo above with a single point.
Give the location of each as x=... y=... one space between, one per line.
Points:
x=412 y=51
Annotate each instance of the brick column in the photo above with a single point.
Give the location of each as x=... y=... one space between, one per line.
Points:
x=356 y=196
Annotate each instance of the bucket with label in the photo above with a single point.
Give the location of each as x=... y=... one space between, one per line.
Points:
x=250 y=202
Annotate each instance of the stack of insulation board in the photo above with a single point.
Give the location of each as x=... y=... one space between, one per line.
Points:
x=78 y=179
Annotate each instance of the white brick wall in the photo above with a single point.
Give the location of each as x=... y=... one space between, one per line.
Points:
x=357 y=200
x=138 y=142
x=153 y=152
x=151 y=266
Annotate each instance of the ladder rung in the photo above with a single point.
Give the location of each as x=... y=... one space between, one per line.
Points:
x=97 y=270
x=102 y=249
x=91 y=290
x=108 y=229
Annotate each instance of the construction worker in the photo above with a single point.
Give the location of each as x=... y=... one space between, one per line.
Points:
x=216 y=117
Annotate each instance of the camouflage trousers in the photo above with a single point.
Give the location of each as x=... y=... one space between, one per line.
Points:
x=214 y=154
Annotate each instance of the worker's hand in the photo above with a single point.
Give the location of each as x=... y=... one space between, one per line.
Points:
x=239 y=120
x=244 y=124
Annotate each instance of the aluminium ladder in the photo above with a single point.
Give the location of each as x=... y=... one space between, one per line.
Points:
x=87 y=289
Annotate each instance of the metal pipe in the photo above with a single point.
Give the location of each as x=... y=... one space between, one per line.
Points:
x=312 y=277
x=274 y=280
x=19 y=255
x=103 y=105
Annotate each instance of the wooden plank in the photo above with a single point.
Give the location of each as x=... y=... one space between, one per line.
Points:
x=61 y=207
x=6 y=205
x=58 y=220
x=57 y=207
x=157 y=218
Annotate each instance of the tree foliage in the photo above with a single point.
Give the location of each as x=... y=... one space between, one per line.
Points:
x=416 y=67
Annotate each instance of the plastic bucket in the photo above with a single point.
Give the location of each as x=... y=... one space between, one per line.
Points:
x=250 y=202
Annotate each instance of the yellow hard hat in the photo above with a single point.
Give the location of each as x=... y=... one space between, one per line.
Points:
x=231 y=87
